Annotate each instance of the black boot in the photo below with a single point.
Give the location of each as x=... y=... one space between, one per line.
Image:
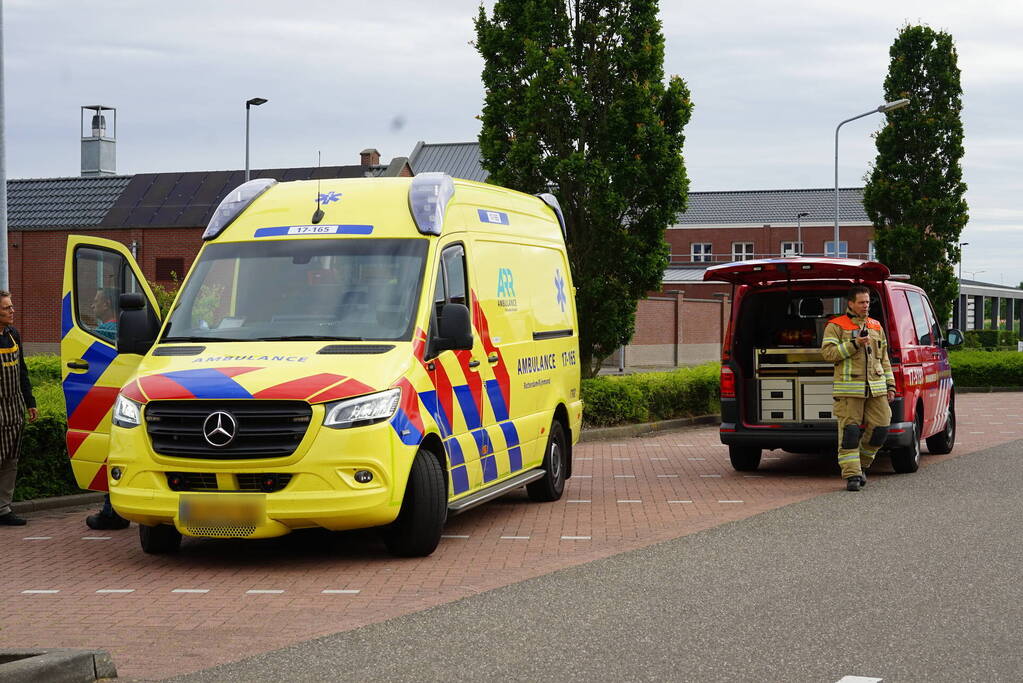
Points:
x=853 y=483
x=11 y=519
x=99 y=521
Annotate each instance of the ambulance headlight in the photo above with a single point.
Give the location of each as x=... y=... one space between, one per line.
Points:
x=362 y=410
x=126 y=412
x=236 y=201
x=428 y=197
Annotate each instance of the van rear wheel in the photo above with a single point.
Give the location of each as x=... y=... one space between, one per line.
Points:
x=424 y=509
x=555 y=463
x=160 y=539
x=744 y=458
x=906 y=460
x=944 y=441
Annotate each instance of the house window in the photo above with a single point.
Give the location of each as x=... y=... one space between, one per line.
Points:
x=791 y=248
x=843 y=249
x=871 y=251
x=701 y=251
x=170 y=269
x=742 y=251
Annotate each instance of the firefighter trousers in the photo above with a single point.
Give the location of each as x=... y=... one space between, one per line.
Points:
x=862 y=429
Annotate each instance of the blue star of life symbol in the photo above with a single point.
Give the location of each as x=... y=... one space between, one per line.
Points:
x=559 y=282
x=328 y=197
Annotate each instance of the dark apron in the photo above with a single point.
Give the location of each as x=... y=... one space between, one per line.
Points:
x=12 y=402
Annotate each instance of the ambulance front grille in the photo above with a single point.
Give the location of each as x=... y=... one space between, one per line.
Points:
x=264 y=429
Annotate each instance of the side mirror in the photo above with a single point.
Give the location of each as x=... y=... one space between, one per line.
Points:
x=454 y=328
x=953 y=338
x=137 y=326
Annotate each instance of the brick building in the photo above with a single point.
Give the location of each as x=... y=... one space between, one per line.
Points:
x=159 y=216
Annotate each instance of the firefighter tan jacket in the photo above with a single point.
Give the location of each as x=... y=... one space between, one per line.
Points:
x=860 y=370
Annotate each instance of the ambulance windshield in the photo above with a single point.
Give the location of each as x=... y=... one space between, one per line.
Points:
x=303 y=289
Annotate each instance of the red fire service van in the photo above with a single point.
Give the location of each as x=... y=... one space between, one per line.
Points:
x=776 y=386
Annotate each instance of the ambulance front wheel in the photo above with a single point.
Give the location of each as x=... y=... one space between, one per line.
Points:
x=552 y=484
x=424 y=509
x=160 y=539
x=744 y=458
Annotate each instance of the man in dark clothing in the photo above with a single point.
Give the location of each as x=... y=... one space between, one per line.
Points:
x=15 y=399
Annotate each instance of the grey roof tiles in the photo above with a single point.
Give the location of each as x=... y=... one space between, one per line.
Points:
x=56 y=203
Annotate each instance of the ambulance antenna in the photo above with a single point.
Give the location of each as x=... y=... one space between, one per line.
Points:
x=318 y=215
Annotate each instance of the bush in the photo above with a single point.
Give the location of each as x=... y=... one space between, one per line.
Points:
x=987 y=368
x=990 y=339
x=43 y=369
x=651 y=396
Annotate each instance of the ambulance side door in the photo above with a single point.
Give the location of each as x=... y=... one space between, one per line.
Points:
x=96 y=273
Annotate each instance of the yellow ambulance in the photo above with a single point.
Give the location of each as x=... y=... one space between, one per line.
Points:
x=342 y=354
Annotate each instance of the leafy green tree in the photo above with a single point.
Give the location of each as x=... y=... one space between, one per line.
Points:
x=915 y=195
x=577 y=103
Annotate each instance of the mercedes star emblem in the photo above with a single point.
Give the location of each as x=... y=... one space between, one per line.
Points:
x=219 y=429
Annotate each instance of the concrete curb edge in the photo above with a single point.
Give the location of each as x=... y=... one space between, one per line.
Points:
x=604 y=433
x=58 y=502
x=55 y=665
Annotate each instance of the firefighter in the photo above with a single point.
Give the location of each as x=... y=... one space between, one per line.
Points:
x=864 y=385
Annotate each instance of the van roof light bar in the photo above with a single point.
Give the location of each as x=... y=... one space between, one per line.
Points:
x=236 y=201
x=428 y=197
x=552 y=201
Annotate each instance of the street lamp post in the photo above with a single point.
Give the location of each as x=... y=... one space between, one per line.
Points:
x=884 y=108
x=799 y=232
x=961 y=245
x=254 y=102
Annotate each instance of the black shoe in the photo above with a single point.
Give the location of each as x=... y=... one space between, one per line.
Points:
x=863 y=480
x=99 y=521
x=853 y=484
x=11 y=519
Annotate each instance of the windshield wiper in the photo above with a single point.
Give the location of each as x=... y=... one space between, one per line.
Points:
x=311 y=337
x=168 y=340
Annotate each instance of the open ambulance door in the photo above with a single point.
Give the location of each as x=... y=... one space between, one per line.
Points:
x=96 y=273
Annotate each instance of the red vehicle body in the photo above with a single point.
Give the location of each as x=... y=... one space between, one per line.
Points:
x=775 y=386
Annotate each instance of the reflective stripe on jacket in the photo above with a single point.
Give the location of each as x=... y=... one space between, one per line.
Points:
x=859 y=370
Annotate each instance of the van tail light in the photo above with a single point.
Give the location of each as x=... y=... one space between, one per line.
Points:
x=726 y=344
x=727 y=382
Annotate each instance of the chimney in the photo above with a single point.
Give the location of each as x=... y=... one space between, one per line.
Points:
x=369 y=157
x=99 y=139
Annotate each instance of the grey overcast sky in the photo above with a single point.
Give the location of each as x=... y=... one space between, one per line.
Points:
x=770 y=81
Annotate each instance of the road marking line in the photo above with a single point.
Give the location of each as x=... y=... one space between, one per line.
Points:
x=515 y=538
x=625 y=476
x=731 y=501
x=37 y=538
x=191 y=590
x=996 y=423
x=96 y=538
x=630 y=501
x=621 y=458
x=341 y=591
x=116 y=590
x=584 y=458
x=684 y=445
x=256 y=591
x=710 y=476
x=976 y=432
x=580 y=501
x=576 y=538
x=40 y=592
x=859 y=679
x=658 y=458
x=697 y=459
x=680 y=501
x=454 y=535
x=582 y=476
x=667 y=476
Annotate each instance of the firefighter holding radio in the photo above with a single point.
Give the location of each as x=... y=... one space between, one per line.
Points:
x=864 y=385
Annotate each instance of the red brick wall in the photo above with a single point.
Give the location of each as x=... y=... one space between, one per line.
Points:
x=655 y=322
x=701 y=322
x=37 y=270
x=765 y=240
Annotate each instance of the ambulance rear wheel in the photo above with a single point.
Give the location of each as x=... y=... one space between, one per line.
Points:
x=552 y=484
x=424 y=510
x=744 y=458
x=160 y=539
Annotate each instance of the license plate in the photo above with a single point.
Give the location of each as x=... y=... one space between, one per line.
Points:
x=222 y=508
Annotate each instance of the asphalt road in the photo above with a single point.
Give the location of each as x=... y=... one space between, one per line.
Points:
x=914 y=579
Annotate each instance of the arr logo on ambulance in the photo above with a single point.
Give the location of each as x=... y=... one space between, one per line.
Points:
x=506 y=298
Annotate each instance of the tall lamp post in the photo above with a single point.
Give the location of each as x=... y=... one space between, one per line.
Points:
x=884 y=108
x=961 y=245
x=254 y=102
x=799 y=232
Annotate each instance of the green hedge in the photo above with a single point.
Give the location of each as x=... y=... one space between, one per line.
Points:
x=987 y=368
x=686 y=392
x=990 y=339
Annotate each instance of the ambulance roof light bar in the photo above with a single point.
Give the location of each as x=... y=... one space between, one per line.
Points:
x=428 y=197
x=552 y=201
x=236 y=201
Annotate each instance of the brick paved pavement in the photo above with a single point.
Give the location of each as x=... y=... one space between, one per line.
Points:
x=219 y=601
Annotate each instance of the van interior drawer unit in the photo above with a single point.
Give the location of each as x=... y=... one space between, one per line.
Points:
x=815 y=401
x=777 y=399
